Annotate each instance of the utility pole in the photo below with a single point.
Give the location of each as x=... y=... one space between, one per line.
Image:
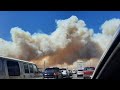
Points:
x=44 y=65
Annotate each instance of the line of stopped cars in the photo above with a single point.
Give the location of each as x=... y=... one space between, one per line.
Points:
x=11 y=68
x=57 y=73
x=63 y=73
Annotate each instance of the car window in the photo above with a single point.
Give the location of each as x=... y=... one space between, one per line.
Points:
x=0 y=65
x=13 y=68
x=89 y=68
x=49 y=70
x=59 y=41
x=31 y=68
x=56 y=70
x=26 y=68
x=92 y=68
x=35 y=68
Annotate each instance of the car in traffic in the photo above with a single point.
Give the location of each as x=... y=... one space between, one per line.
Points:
x=52 y=73
x=88 y=71
x=65 y=73
x=70 y=74
x=80 y=73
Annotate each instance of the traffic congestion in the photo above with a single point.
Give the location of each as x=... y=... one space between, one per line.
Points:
x=11 y=68
x=69 y=48
x=64 y=73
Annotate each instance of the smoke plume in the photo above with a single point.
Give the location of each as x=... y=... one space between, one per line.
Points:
x=71 y=41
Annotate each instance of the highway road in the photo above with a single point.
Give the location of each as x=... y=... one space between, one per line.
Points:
x=75 y=77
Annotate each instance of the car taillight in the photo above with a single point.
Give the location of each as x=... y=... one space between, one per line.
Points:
x=85 y=72
x=88 y=72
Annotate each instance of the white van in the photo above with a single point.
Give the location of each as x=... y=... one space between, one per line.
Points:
x=11 y=68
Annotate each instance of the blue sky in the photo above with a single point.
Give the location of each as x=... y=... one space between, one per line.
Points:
x=37 y=21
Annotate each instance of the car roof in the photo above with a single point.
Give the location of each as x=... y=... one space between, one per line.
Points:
x=14 y=59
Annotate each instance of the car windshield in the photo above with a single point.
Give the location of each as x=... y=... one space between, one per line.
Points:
x=48 y=70
x=51 y=70
x=89 y=68
x=56 y=41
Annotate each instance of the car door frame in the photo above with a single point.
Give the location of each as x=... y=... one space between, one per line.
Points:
x=107 y=56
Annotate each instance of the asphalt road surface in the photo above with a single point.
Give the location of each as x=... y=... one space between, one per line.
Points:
x=75 y=77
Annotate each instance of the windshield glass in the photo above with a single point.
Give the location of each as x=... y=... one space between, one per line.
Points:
x=89 y=68
x=48 y=70
x=55 y=41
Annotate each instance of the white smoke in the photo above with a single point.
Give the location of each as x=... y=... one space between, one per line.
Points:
x=110 y=26
x=71 y=41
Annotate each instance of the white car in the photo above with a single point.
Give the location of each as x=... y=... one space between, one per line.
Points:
x=65 y=73
x=80 y=73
